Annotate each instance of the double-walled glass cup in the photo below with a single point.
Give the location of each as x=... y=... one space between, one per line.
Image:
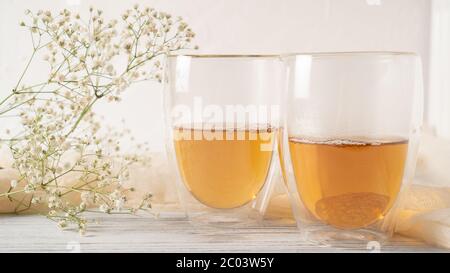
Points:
x=222 y=120
x=350 y=139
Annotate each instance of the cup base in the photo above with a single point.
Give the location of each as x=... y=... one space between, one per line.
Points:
x=360 y=239
x=235 y=218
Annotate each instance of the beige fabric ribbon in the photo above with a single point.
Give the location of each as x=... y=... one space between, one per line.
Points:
x=426 y=215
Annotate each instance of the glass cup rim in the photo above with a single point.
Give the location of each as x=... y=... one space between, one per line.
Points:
x=350 y=54
x=225 y=56
x=291 y=54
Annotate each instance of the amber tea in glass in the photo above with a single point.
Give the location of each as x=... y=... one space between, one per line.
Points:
x=222 y=117
x=352 y=124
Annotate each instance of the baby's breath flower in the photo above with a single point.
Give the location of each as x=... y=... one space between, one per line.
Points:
x=60 y=121
x=62 y=224
x=29 y=188
x=104 y=208
x=14 y=183
x=61 y=77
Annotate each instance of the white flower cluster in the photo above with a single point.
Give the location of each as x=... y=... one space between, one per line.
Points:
x=62 y=139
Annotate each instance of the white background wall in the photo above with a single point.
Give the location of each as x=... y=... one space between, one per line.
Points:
x=236 y=26
x=438 y=101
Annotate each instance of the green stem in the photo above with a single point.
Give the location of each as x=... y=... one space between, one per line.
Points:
x=83 y=113
x=7 y=98
x=25 y=70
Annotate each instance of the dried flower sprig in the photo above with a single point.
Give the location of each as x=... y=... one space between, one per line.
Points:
x=62 y=139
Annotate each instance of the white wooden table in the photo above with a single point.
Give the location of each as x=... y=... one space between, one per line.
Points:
x=126 y=233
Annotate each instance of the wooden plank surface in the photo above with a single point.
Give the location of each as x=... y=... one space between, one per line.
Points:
x=126 y=233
